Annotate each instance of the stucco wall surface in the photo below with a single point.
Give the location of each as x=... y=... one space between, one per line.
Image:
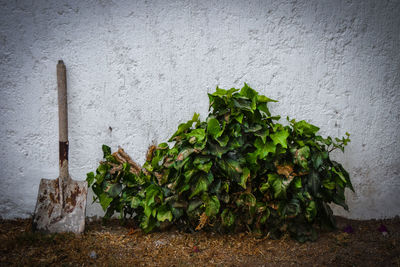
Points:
x=136 y=69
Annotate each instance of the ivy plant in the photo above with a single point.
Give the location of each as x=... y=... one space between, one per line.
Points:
x=239 y=169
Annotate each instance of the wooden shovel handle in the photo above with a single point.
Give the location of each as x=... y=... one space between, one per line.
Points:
x=63 y=119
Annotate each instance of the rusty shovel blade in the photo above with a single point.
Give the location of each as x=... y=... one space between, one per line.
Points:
x=50 y=215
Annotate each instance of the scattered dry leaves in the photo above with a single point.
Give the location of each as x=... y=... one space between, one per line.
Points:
x=114 y=244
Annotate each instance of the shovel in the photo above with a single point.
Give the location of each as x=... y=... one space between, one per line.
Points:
x=61 y=203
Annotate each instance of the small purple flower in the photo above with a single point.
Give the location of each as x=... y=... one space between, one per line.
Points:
x=383 y=229
x=348 y=229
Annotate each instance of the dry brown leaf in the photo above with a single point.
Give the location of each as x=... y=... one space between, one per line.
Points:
x=159 y=177
x=133 y=231
x=149 y=154
x=285 y=170
x=202 y=221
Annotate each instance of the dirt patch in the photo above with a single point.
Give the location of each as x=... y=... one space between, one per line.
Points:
x=112 y=244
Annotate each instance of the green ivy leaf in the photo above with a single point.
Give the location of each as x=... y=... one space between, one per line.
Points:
x=339 y=174
x=205 y=167
x=253 y=128
x=163 y=213
x=199 y=134
x=328 y=184
x=223 y=141
x=223 y=92
x=212 y=206
x=265 y=217
x=280 y=138
x=148 y=224
x=194 y=204
x=313 y=183
x=263 y=98
x=264 y=149
x=317 y=159
x=262 y=134
x=247 y=199
x=183 y=127
x=231 y=168
x=101 y=173
x=251 y=158
x=311 y=211
x=263 y=109
x=106 y=151
x=113 y=190
x=339 y=198
x=176 y=212
x=260 y=207
x=293 y=208
x=239 y=118
x=228 y=218
x=136 y=202
x=243 y=104
x=151 y=192
x=264 y=187
x=306 y=128
x=248 y=92
x=217 y=150
x=244 y=177
x=147 y=211
x=344 y=173
x=201 y=160
x=90 y=178
x=201 y=186
x=251 y=94
x=184 y=154
x=105 y=201
x=213 y=128
x=225 y=186
x=297 y=183
x=301 y=156
x=276 y=182
x=126 y=167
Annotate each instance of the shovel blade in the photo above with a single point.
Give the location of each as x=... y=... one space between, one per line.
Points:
x=53 y=217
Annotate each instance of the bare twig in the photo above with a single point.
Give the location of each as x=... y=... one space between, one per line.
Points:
x=122 y=157
x=128 y=159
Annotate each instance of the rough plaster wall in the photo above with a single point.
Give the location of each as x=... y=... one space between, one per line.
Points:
x=142 y=68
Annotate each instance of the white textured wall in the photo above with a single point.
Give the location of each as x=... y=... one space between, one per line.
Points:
x=142 y=67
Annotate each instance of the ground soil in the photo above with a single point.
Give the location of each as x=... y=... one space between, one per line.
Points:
x=117 y=245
